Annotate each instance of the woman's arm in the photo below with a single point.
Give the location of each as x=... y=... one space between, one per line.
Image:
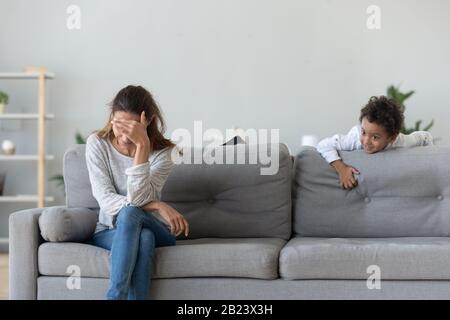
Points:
x=177 y=222
x=145 y=181
x=102 y=188
x=142 y=153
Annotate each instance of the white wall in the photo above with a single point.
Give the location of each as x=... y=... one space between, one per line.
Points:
x=301 y=66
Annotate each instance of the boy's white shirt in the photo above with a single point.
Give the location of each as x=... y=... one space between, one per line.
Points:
x=330 y=146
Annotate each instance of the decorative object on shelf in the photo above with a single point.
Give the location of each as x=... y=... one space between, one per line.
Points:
x=2 y=182
x=310 y=140
x=8 y=147
x=4 y=99
x=394 y=93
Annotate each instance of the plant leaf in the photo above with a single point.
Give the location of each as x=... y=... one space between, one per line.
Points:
x=429 y=126
x=79 y=138
x=57 y=177
x=418 y=123
x=408 y=94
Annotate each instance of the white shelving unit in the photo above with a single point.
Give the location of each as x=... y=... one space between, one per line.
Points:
x=26 y=75
x=23 y=198
x=24 y=116
x=19 y=157
x=41 y=76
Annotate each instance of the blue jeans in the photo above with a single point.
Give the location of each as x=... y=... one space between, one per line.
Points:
x=132 y=244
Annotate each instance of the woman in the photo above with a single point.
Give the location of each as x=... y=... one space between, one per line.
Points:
x=128 y=162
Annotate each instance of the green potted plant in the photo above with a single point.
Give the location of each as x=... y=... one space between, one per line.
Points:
x=398 y=96
x=4 y=99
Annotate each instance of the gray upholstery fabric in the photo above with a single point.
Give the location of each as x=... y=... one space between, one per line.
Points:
x=335 y=258
x=391 y=220
x=76 y=178
x=60 y=224
x=93 y=261
x=218 y=200
x=54 y=288
x=401 y=193
x=24 y=240
x=232 y=201
x=248 y=258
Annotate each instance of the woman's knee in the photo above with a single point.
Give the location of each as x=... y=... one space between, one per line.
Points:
x=147 y=239
x=130 y=214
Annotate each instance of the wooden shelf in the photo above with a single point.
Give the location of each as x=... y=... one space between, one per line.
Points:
x=26 y=157
x=24 y=198
x=24 y=75
x=41 y=75
x=24 y=116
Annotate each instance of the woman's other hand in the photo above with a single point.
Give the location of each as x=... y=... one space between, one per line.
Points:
x=178 y=224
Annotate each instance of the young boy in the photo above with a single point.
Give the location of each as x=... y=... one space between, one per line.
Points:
x=379 y=129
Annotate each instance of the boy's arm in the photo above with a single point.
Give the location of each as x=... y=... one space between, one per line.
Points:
x=415 y=139
x=328 y=147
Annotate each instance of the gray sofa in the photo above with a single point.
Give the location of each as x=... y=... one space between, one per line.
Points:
x=292 y=235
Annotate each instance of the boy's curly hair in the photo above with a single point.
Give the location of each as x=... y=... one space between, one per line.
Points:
x=384 y=112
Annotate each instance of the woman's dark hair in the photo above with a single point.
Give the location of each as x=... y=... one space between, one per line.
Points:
x=384 y=112
x=135 y=99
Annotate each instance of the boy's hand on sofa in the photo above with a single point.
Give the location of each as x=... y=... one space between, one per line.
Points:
x=346 y=175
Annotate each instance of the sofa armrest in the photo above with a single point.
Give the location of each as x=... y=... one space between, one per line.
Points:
x=24 y=240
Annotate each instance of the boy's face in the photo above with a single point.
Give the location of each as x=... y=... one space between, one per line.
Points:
x=374 y=137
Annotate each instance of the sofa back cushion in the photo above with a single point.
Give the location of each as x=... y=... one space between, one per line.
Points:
x=400 y=193
x=218 y=200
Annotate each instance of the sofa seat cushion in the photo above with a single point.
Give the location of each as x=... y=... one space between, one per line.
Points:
x=409 y=258
x=206 y=257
